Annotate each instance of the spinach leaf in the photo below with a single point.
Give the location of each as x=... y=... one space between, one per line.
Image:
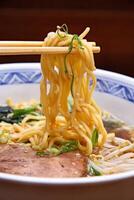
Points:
x=24 y=111
x=5 y=111
x=9 y=115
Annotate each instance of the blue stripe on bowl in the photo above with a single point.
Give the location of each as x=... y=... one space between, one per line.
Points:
x=104 y=84
x=115 y=88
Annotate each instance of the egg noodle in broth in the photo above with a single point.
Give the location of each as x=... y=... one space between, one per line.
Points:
x=69 y=76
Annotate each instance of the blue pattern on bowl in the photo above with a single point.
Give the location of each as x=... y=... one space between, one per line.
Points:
x=19 y=77
x=104 y=84
x=115 y=88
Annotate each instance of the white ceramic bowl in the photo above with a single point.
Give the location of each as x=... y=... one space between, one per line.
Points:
x=115 y=93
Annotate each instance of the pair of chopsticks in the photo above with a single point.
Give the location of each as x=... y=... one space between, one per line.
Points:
x=34 y=48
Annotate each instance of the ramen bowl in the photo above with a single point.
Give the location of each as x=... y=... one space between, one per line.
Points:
x=114 y=93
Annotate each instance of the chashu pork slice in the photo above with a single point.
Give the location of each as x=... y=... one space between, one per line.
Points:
x=22 y=160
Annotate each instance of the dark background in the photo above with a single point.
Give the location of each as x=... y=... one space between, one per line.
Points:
x=111 y=22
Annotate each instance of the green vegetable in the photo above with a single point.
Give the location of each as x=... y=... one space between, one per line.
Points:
x=75 y=37
x=69 y=146
x=8 y=115
x=42 y=153
x=94 y=138
x=52 y=151
x=72 y=85
x=24 y=111
x=94 y=172
x=19 y=114
x=70 y=103
x=56 y=150
x=4 y=112
x=63 y=28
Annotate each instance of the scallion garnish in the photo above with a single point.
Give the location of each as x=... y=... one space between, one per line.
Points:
x=75 y=37
x=56 y=150
x=94 y=138
x=94 y=172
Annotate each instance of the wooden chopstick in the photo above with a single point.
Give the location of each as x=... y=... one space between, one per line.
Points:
x=39 y=50
x=34 y=47
x=27 y=43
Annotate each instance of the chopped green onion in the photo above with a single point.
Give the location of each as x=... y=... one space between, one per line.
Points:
x=72 y=85
x=42 y=153
x=63 y=28
x=56 y=150
x=69 y=146
x=94 y=138
x=70 y=103
x=52 y=151
x=94 y=172
x=75 y=37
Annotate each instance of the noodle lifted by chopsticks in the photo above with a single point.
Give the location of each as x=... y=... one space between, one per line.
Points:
x=66 y=76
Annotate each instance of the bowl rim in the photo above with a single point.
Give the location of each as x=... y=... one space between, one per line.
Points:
x=67 y=181
x=26 y=66
x=36 y=66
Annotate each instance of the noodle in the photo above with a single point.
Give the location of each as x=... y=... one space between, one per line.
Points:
x=65 y=75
